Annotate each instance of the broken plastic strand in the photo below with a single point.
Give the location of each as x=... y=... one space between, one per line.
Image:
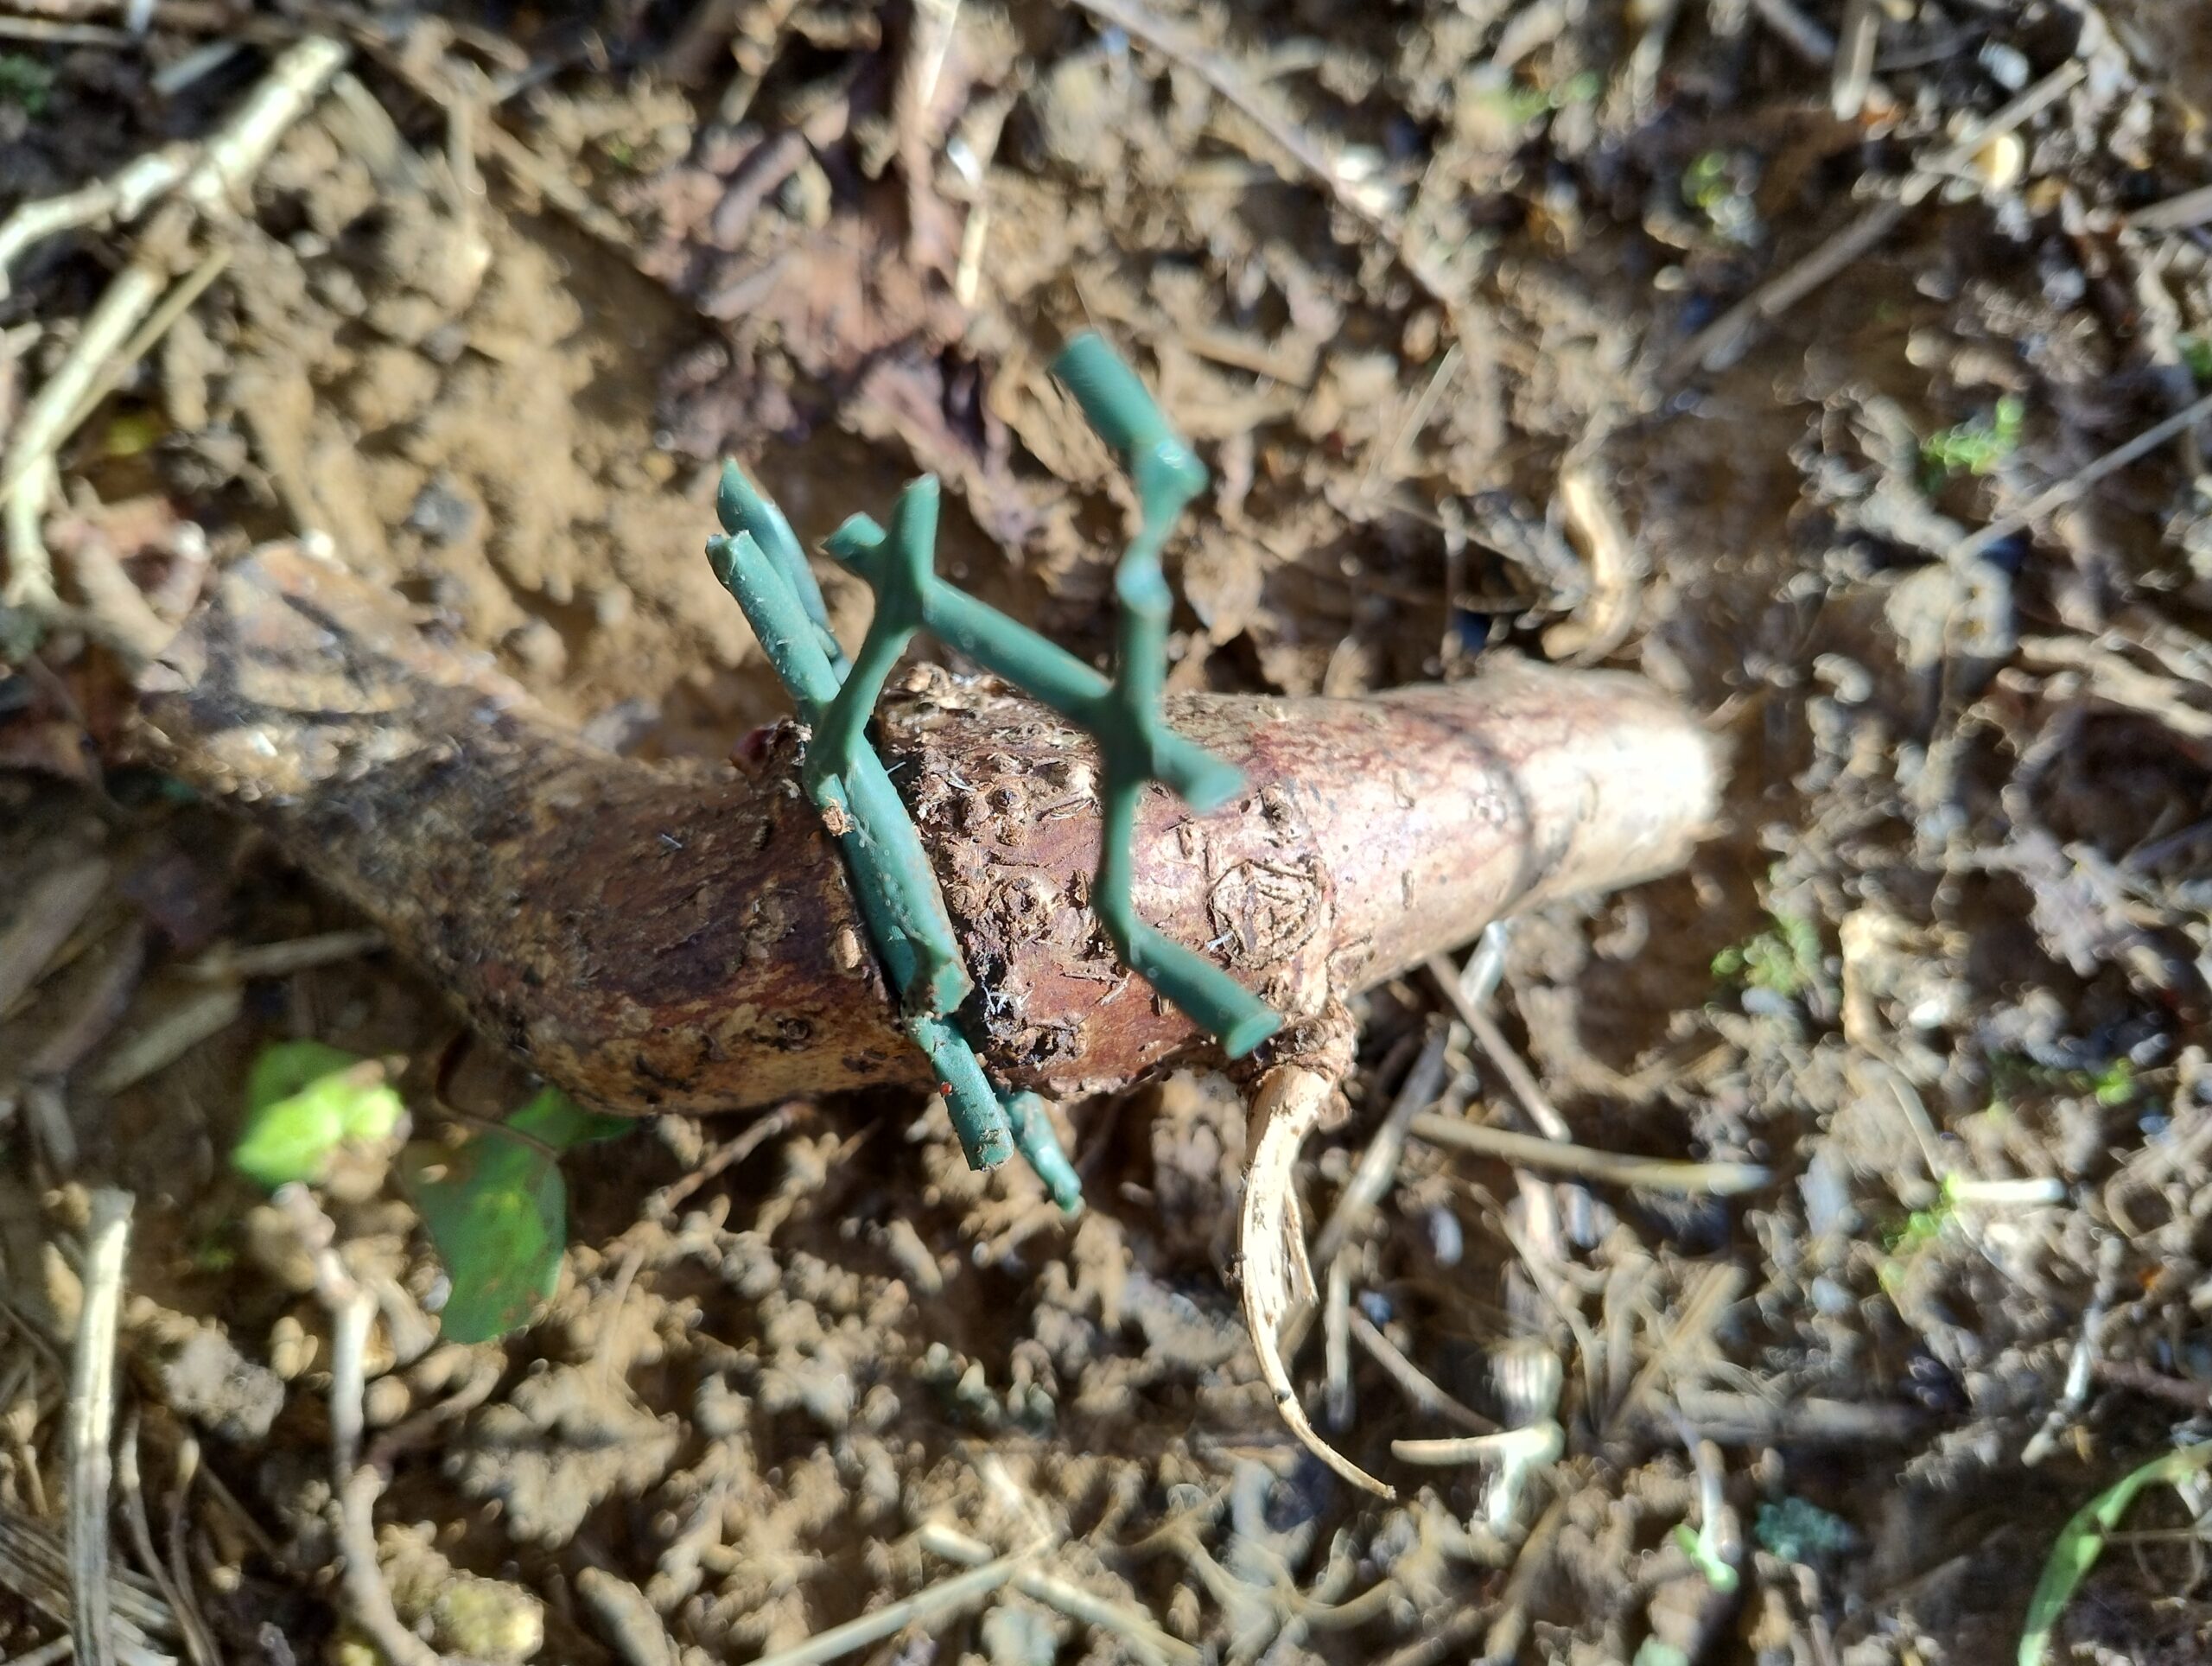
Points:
x=759 y=562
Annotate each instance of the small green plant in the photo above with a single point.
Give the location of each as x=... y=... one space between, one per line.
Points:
x=1800 y=1531
x=305 y=1103
x=1784 y=960
x=25 y=83
x=2197 y=355
x=1922 y=1228
x=2082 y=1541
x=1718 y=184
x=2114 y=1085
x=1707 y=181
x=1976 y=447
x=496 y=1210
x=1701 y=1546
x=1521 y=103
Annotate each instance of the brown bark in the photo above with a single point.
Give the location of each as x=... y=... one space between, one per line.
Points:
x=655 y=938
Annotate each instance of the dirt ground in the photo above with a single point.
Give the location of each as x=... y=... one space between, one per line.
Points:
x=1424 y=284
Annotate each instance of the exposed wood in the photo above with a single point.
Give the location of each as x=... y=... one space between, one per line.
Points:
x=657 y=938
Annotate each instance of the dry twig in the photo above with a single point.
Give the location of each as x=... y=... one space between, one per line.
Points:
x=199 y=1014
x=355 y=1486
x=1807 y=38
x=1653 y=1173
x=1378 y=1164
x=1723 y=341
x=50 y=914
x=91 y=1426
x=1413 y=1380
x=229 y=962
x=121 y=197
x=1120 y=1619
x=191 y=1628
x=1483 y=1029
x=224 y=168
x=2064 y=491
x=940 y=1601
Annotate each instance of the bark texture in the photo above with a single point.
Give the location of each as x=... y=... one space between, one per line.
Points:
x=654 y=938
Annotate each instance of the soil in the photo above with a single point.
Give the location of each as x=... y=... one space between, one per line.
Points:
x=1954 y=933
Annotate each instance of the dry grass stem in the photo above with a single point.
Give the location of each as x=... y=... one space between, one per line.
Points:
x=92 y=1426
x=1653 y=1173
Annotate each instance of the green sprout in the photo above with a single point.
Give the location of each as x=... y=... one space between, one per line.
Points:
x=2114 y=1085
x=1521 y=103
x=1977 y=446
x=496 y=1208
x=1718 y=184
x=1702 y=1546
x=1922 y=1228
x=1784 y=960
x=25 y=83
x=2082 y=1541
x=305 y=1103
x=759 y=561
x=2197 y=355
x=496 y=1211
x=1708 y=180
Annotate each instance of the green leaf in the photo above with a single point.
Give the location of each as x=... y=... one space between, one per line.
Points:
x=552 y=1118
x=2082 y=1541
x=496 y=1210
x=303 y=1102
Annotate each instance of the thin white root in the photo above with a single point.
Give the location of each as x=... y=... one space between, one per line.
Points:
x=1271 y=1241
x=91 y=1426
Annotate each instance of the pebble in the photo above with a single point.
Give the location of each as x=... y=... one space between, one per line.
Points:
x=2005 y=65
x=385 y=1402
x=1446 y=1241
x=441 y=514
